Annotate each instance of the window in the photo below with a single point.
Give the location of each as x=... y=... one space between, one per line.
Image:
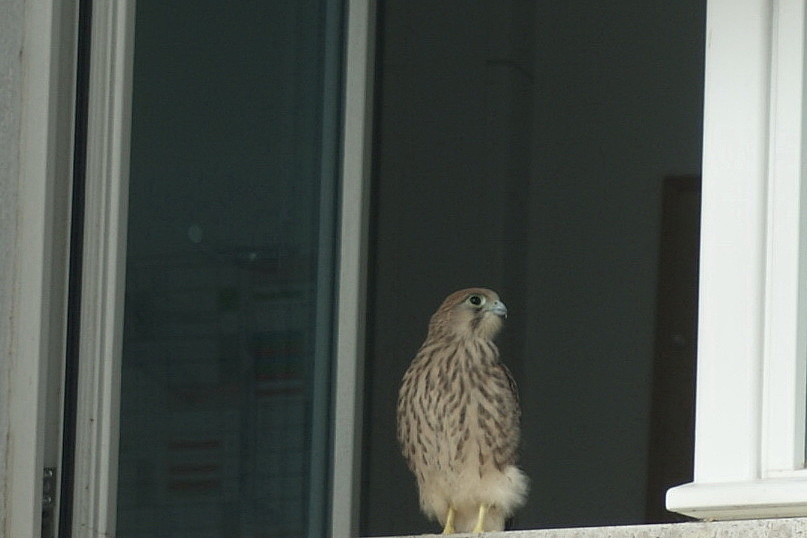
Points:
x=226 y=369
x=749 y=449
x=98 y=475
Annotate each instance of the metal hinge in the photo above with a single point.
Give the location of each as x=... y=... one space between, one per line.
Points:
x=49 y=503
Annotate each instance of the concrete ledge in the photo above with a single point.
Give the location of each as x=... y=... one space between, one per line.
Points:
x=772 y=528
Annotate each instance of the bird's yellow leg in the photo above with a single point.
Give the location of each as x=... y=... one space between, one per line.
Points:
x=449 y=528
x=480 y=519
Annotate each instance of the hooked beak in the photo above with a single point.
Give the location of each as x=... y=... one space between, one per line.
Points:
x=499 y=309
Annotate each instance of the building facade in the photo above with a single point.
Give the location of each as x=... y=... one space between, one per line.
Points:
x=215 y=264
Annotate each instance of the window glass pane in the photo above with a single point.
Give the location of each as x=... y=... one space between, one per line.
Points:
x=550 y=151
x=226 y=354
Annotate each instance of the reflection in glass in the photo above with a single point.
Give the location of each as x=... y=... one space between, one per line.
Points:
x=225 y=370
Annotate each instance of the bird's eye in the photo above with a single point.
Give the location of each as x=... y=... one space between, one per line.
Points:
x=476 y=300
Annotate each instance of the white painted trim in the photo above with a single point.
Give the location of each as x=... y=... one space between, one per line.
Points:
x=95 y=487
x=752 y=499
x=751 y=381
x=352 y=267
x=732 y=241
x=785 y=386
x=41 y=268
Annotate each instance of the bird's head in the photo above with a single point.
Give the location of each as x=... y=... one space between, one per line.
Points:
x=469 y=313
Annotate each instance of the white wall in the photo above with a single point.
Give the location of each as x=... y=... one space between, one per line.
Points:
x=11 y=36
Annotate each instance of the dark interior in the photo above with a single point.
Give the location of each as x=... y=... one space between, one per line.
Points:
x=550 y=151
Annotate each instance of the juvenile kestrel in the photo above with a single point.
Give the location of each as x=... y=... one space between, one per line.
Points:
x=458 y=418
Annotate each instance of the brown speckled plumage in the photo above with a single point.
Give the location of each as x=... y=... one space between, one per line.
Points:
x=458 y=417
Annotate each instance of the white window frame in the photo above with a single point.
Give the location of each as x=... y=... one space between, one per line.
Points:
x=352 y=272
x=752 y=338
x=39 y=279
x=103 y=271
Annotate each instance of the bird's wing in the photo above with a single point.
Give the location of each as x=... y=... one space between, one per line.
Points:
x=510 y=415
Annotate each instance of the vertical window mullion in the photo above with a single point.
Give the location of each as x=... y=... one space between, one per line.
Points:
x=323 y=347
x=731 y=324
x=786 y=337
x=351 y=278
x=102 y=267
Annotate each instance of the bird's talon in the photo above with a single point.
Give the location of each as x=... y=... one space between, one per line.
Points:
x=480 y=519
x=449 y=528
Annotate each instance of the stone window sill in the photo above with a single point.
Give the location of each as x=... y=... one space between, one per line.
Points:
x=779 y=528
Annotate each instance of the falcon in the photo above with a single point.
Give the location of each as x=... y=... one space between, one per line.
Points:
x=459 y=418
